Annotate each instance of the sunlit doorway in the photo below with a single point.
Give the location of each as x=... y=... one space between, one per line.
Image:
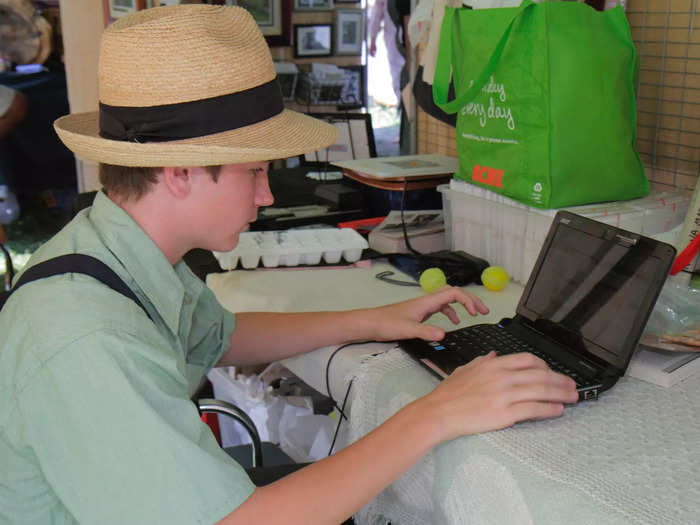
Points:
x=382 y=100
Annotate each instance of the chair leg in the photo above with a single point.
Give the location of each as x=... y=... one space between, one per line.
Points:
x=9 y=269
x=223 y=407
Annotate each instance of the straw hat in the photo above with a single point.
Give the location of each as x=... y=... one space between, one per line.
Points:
x=189 y=85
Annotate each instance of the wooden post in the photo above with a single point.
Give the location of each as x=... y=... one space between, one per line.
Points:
x=82 y=23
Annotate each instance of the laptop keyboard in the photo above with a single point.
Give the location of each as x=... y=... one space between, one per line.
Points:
x=482 y=339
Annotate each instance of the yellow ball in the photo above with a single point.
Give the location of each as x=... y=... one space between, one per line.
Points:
x=432 y=279
x=494 y=278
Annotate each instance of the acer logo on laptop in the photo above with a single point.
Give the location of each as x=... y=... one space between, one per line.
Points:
x=488 y=176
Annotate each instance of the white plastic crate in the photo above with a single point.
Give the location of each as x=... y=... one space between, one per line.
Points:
x=509 y=234
x=663 y=211
x=294 y=247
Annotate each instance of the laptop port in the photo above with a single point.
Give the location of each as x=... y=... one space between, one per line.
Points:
x=590 y=395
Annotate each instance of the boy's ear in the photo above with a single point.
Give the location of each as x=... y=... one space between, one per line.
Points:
x=178 y=181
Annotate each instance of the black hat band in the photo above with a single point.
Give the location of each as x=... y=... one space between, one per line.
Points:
x=191 y=119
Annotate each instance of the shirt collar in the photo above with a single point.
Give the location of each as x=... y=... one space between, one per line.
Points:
x=144 y=262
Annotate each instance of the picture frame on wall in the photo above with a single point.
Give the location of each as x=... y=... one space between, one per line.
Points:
x=354 y=93
x=274 y=18
x=115 y=9
x=313 y=40
x=355 y=139
x=313 y=5
x=118 y=8
x=349 y=31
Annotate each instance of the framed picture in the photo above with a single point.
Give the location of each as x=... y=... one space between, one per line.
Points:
x=313 y=5
x=274 y=18
x=349 y=31
x=313 y=40
x=114 y=9
x=355 y=90
x=355 y=139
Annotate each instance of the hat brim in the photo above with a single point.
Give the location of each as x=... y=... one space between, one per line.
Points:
x=285 y=135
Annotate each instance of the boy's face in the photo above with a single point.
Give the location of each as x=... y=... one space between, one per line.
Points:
x=229 y=205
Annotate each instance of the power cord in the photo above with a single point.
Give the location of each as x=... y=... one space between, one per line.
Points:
x=341 y=409
x=328 y=368
x=340 y=418
x=460 y=268
x=386 y=277
x=403 y=220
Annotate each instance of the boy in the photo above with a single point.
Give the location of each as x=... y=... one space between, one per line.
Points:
x=97 y=425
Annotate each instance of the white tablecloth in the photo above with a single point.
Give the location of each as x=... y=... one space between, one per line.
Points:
x=631 y=457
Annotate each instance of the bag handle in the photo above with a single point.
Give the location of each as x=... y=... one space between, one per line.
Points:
x=444 y=62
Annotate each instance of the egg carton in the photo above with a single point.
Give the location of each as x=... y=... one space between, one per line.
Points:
x=293 y=248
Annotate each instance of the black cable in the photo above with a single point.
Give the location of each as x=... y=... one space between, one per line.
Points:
x=328 y=389
x=341 y=410
x=347 y=392
x=426 y=258
x=328 y=368
x=386 y=277
x=403 y=220
x=340 y=418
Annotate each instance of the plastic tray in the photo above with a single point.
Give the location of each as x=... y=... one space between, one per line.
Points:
x=293 y=248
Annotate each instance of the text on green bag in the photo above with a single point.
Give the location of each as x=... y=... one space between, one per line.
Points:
x=493 y=111
x=488 y=176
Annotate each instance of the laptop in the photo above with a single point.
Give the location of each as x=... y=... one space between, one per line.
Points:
x=583 y=309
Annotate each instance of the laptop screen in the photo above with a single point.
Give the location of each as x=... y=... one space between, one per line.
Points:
x=593 y=287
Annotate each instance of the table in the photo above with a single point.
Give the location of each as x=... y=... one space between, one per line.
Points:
x=399 y=184
x=631 y=457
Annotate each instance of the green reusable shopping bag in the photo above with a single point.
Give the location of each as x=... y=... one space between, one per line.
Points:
x=545 y=102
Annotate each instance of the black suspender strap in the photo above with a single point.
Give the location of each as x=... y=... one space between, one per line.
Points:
x=75 y=263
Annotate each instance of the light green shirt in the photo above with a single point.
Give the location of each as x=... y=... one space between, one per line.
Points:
x=96 y=424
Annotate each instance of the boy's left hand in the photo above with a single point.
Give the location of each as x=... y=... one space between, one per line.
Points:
x=404 y=320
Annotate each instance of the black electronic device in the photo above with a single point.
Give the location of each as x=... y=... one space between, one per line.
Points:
x=341 y=196
x=583 y=309
x=460 y=268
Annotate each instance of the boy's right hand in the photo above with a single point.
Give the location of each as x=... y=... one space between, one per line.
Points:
x=491 y=393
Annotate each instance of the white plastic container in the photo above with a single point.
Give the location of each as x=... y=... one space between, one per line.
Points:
x=293 y=247
x=509 y=234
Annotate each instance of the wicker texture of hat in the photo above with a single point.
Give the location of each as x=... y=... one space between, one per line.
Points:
x=189 y=85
